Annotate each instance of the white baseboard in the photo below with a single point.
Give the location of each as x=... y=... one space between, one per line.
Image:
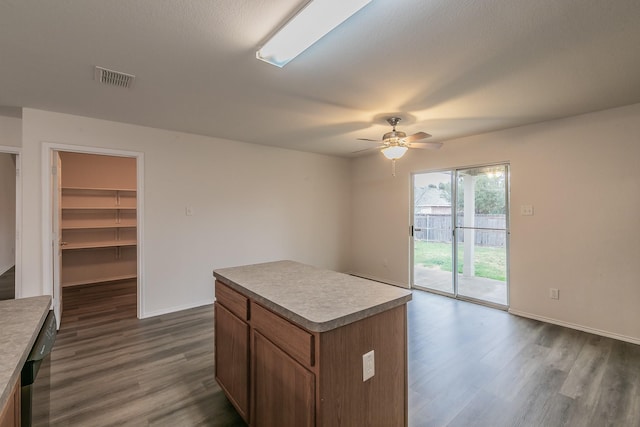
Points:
x=377 y=279
x=175 y=308
x=595 y=331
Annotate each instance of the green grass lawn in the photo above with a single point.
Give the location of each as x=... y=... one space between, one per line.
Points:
x=489 y=262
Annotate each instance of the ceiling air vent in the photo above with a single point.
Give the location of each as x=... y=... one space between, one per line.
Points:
x=114 y=78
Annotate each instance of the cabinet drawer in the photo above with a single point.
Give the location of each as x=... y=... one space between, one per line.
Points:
x=233 y=301
x=295 y=341
x=10 y=414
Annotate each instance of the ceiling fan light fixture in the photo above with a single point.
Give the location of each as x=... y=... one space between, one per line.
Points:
x=394 y=135
x=394 y=152
x=312 y=23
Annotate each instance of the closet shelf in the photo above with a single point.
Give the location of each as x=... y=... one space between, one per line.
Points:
x=99 y=280
x=98 y=219
x=105 y=244
x=123 y=190
x=86 y=208
x=97 y=226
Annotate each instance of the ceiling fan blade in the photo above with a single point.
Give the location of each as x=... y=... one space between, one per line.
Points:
x=426 y=145
x=368 y=139
x=367 y=149
x=417 y=136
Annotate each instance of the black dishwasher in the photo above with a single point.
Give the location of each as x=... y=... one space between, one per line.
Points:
x=41 y=348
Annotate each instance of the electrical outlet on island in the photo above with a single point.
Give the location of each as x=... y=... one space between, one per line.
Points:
x=368 y=366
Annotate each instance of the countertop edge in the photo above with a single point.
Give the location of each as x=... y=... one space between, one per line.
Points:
x=8 y=388
x=311 y=325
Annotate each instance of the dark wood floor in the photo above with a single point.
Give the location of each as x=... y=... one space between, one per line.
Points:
x=8 y=284
x=110 y=369
x=468 y=366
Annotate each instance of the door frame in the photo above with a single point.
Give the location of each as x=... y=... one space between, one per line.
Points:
x=48 y=234
x=17 y=151
x=454 y=197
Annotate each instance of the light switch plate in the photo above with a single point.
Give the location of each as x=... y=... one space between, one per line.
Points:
x=526 y=210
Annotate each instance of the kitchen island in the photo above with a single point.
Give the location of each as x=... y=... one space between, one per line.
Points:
x=20 y=323
x=296 y=345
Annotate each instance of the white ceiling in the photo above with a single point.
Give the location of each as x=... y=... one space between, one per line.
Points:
x=448 y=67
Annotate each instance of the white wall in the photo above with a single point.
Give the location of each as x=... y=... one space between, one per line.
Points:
x=251 y=204
x=10 y=131
x=581 y=175
x=7 y=211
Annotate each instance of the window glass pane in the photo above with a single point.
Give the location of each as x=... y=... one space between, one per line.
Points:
x=432 y=236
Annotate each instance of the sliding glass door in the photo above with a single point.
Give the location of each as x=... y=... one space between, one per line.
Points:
x=433 y=232
x=460 y=233
x=481 y=233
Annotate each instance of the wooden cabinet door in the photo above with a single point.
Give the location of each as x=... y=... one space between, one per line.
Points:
x=284 y=391
x=232 y=358
x=10 y=414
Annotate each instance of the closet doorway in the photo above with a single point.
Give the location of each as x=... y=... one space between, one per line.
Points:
x=95 y=227
x=9 y=219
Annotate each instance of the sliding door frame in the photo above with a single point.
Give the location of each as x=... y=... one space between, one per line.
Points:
x=412 y=269
x=455 y=230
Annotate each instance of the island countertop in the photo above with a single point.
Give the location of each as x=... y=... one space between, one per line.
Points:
x=316 y=299
x=20 y=323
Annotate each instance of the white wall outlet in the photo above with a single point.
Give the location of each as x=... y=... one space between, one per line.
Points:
x=554 y=293
x=526 y=210
x=368 y=366
x=188 y=211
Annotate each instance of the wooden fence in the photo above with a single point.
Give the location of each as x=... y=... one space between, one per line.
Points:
x=437 y=228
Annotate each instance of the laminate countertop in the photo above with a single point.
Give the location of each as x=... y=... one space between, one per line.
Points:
x=20 y=322
x=316 y=299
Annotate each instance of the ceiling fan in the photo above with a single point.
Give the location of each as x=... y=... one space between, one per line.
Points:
x=395 y=143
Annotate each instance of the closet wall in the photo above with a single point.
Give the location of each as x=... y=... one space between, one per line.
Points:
x=98 y=219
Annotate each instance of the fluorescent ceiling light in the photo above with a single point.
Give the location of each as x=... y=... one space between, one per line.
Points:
x=315 y=20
